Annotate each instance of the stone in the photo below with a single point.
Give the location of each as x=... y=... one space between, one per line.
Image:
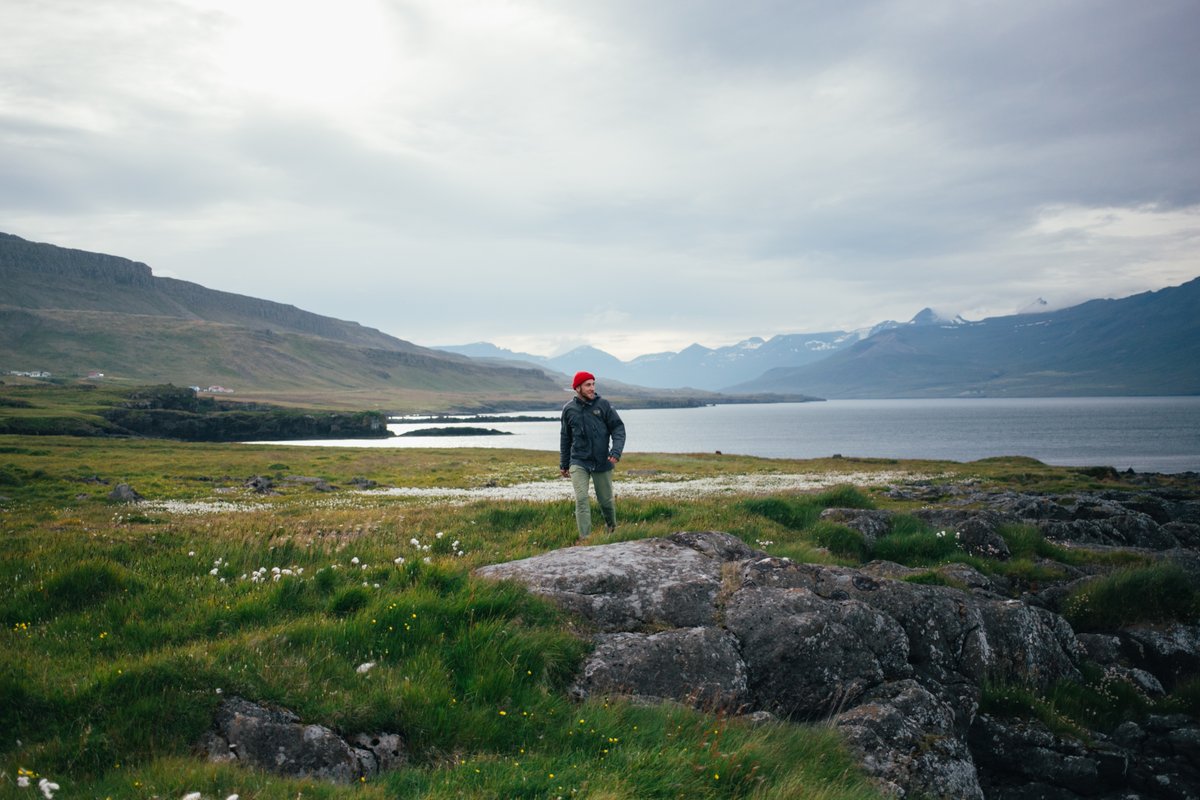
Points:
x=260 y=484
x=808 y=657
x=698 y=666
x=277 y=741
x=1171 y=652
x=906 y=738
x=871 y=524
x=124 y=493
x=632 y=585
x=977 y=532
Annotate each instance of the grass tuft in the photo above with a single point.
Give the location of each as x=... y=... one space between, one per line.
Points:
x=1156 y=593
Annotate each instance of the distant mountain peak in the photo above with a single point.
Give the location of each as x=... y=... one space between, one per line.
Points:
x=1037 y=306
x=927 y=316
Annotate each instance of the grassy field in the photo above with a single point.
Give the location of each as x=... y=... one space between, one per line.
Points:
x=125 y=625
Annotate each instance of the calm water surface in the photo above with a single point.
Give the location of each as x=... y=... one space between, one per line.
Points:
x=1147 y=434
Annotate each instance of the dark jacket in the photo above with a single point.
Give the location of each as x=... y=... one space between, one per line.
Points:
x=586 y=429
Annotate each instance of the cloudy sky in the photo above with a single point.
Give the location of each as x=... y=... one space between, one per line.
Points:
x=633 y=175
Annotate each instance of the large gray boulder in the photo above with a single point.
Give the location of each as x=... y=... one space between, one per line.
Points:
x=276 y=740
x=699 y=666
x=908 y=739
x=630 y=586
x=809 y=657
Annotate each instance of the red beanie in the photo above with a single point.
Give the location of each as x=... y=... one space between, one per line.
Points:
x=580 y=377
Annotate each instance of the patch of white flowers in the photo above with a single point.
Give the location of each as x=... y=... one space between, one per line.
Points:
x=182 y=508
x=46 y=786
x=261 y=574
x=264 y=574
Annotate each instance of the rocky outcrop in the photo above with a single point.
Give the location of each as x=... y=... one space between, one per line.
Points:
x=897 y=667
x=1155 y=519
x=277 y=741
x=1024 y=759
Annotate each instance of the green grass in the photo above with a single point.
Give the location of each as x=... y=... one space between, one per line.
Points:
x=1100 y=702
x=124 y=627
x=1150 y=594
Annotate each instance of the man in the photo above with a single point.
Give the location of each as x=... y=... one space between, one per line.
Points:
x=584 y=452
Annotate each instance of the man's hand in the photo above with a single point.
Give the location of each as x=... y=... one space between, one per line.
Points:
x=612 y=459
x=566 y=473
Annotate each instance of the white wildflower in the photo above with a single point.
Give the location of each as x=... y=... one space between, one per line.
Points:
x=365 y=667
x=23 y=781
x=48 y=788
x=414 y=542
x=427 y=560
x=399 y=560
x=191 y=553
x=440 y=534
x=232 y=797
x=192 y=796
x=354 y=560
x=213 y=571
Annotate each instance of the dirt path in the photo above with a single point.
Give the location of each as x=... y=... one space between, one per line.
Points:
x=539 y=491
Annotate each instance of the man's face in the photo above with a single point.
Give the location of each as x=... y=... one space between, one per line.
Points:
x=587 y=390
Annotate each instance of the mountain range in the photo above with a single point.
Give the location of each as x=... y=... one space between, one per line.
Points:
x=74 y=313
x=1147 y=344
x=697 y=366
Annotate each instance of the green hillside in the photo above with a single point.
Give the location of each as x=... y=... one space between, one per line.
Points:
x=72 y=313
x=255 y=364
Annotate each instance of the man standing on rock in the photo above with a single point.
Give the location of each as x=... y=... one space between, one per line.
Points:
x=584 y=452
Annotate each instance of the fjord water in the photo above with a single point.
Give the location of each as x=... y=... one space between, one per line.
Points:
x=1147 y=434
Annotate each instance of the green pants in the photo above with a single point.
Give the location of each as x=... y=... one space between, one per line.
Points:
x=604 y=496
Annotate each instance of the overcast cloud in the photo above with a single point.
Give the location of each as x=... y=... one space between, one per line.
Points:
x=637 y=176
